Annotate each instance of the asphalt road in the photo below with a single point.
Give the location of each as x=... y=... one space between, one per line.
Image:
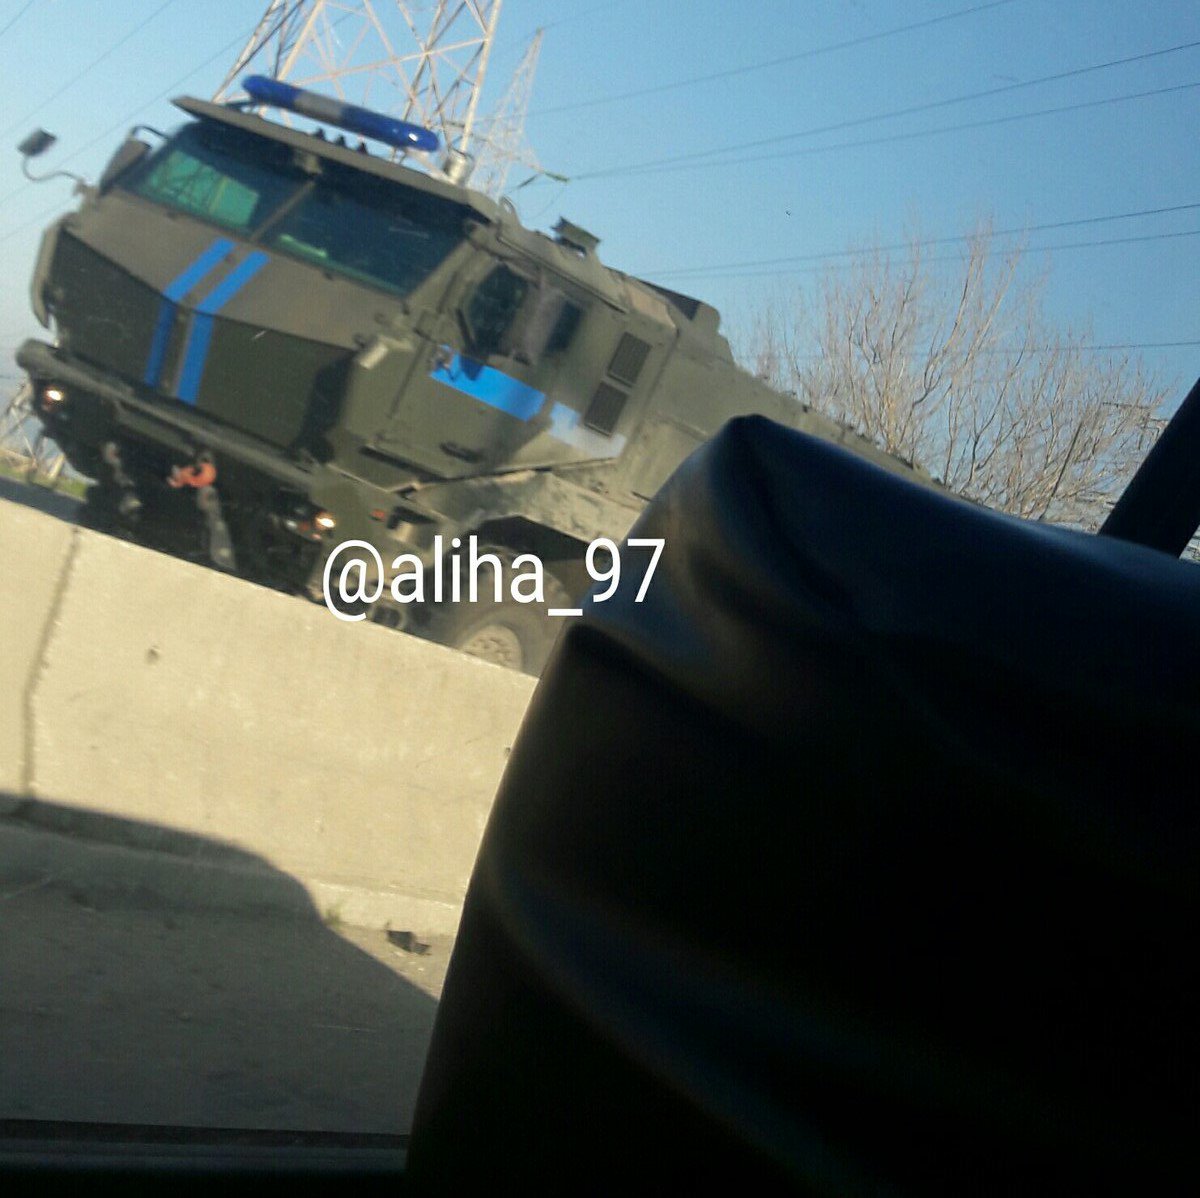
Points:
x=53 y=503
x=117 y=1012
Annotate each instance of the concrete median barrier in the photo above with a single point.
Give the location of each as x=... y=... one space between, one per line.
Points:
x=359 y=760
x=35 y=553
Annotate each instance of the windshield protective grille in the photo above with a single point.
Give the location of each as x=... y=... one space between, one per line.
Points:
x=233 y=181
x=375 y=231
x=386 y=235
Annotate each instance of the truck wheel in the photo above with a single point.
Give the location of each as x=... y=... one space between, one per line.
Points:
x=163 y=523
x=518 y=636
x=98 y=511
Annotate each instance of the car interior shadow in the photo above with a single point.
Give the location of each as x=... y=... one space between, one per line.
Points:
x=150 y=977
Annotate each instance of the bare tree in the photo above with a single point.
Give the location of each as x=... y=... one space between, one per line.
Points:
x=960 y=371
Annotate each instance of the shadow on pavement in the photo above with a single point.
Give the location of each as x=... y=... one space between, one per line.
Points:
x=154 y=977
x=42 y=499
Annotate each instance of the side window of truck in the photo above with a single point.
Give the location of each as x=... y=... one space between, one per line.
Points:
x=217 y=176
x=510 y=314
x=548 y=323
x=491 y=311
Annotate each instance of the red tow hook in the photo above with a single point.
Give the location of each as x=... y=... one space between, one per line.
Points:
x=202 y=474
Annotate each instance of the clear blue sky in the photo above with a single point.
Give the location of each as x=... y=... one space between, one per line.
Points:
x=1097 y=161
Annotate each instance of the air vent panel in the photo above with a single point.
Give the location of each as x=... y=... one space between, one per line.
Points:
x=629 y=359
x=605 y=409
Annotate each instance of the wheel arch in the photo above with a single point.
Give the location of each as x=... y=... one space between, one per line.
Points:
x=560 y=553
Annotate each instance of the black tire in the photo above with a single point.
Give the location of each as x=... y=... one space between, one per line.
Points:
x=98 y=511
x=518 y=636
x=163 y=521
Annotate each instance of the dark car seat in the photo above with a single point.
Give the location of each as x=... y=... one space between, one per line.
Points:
x=860 y=857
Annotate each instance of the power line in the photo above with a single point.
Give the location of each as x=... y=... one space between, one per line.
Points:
x=910 y=110
x=1033 y=249
x=523 y=38
x=826 y=255
x=771 y=62
x=915 y=135
x=33 y=220
x=124 y=121
x=587 y=12
x=93 y=64
x=20 y=13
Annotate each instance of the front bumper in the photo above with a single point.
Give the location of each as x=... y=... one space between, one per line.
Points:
x=156 y=435
x=102 y=407
x=164 y=433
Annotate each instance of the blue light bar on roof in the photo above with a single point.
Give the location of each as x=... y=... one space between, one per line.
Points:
x=362 y=121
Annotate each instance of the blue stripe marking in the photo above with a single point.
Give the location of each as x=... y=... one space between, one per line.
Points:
x=563 y=420
x=172 y=294
x=490 y=386
x=565 y=426
x=196 y=354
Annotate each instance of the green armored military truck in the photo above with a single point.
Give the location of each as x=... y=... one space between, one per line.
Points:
x=269 y=341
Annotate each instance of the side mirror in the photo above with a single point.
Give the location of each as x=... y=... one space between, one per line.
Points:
x=36 y=144
x=130 y=152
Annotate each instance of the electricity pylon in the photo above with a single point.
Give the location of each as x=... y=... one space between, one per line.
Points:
x=423 y=61
x=503 y=135
x=22 y=443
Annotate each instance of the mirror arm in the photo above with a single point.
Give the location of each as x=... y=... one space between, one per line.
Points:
x=82 y=186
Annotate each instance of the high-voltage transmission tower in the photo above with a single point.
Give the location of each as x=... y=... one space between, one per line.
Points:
x=503 y=135
x=423 y=61
x=21 y=441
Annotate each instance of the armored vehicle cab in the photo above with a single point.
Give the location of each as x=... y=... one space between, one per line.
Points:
x=269 y=341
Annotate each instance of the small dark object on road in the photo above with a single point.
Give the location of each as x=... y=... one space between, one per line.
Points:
x=407 y=941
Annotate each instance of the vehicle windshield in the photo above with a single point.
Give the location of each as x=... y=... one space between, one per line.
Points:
x=218 y=175
x=369 y=229
x=380 y=233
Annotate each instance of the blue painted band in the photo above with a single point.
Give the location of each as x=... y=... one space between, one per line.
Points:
x=490 y=386
x=158 y=343
x=199 y=339
x=566 y=426
x=563 y=420
x=179 y=287
x=232 y=283
x=174 y=291
x=196 y=354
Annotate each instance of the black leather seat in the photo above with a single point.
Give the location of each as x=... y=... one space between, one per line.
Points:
x=861 y=857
